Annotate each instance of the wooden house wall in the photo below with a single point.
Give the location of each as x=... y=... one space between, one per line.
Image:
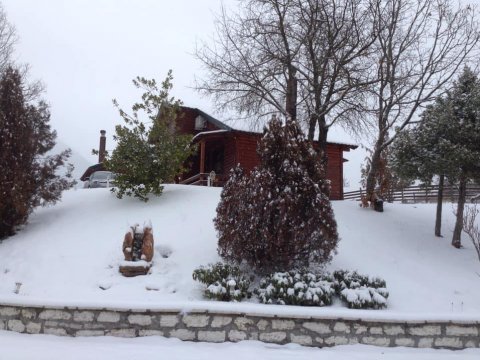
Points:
x=230 y=159
x=246 y=155
x=186 y=123
x=335 y=171
x=241 y=147
x=246 y=148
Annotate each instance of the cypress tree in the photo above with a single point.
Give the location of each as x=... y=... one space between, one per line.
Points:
x=28 y=169
x=279 y=216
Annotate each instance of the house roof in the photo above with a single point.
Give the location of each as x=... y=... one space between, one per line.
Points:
x=91 y=169
x=210 y=118
x=224 y=129
x=207 y=133
x=221 y=133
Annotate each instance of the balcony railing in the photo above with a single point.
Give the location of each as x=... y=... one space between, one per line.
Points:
x=205 y=179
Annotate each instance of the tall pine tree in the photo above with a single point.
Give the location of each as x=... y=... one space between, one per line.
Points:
x=28 y=170
x=445 y=143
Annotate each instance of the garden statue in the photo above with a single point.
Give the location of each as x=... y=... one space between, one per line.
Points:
x=138 y=250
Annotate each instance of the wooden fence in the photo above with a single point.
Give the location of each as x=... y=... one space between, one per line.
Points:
x=421 y=193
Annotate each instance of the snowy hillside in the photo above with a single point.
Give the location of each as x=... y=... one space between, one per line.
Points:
x=76 y=159
x=69 y=254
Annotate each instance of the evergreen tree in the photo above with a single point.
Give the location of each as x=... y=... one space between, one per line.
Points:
x=149 y=153
x=445 y=143
x=28 y=170
x=387 y=181
x=279 y=216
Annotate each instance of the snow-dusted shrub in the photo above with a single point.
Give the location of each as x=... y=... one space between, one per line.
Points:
x=360 y=291
x=224 y=282
x=279 y=216
x=296 y=288
x=32 y=173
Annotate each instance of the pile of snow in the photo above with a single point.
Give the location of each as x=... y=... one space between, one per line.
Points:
x=69 y=255
x=23 y=346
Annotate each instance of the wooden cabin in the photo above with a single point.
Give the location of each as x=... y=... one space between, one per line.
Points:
x=221 y=148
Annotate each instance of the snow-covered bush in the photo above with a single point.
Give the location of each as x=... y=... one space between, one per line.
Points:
x=224 y=282
x=31 y=173
x=296 y=288
x=279 y=216
x=360 y=291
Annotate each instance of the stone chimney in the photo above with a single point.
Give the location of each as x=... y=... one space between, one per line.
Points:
x=101 y=149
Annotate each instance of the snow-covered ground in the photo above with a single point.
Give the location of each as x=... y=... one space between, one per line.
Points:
x=69 y=254
x=20 y=346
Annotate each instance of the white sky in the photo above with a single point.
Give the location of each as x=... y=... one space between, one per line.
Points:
x=87 y=52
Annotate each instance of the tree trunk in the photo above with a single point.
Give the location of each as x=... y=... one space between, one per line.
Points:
x=438 y=218
x=462 y=192
x=291 y=98
x=322 y=144
x=372 y=174
x=312 y=124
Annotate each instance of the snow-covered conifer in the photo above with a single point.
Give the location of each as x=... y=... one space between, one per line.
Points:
x=279 y=216
x=28 y=169
x=445 y=142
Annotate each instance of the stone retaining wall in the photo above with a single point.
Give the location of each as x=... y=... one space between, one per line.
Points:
x=221 y=327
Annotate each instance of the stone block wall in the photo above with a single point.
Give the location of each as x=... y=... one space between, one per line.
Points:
x=221 y=327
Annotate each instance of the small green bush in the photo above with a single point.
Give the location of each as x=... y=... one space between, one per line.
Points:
x=296 y=288
x=360 y=291
x=224 y=282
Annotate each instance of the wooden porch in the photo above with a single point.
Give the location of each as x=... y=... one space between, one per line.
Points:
x=207 y=166
x=205 y=179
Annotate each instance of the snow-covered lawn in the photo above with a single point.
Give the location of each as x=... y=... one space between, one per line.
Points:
x=20 y=346
x=68 y=254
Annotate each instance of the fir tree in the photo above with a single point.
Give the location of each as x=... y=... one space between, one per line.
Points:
x=28 y=170
x=445 y=143
x=279 y=216
x=149 y=153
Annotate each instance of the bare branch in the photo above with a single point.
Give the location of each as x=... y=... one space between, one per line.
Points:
x=471 y=228
x=323 y=44
x=420 y=46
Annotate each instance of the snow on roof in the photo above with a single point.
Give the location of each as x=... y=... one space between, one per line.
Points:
x=200 y=134
x=248 y=128
x=341 y=142
x=203 y=133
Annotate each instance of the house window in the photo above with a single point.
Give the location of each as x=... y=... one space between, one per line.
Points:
x=200 y=123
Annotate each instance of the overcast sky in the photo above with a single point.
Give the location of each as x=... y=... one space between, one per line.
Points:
x=87 y=52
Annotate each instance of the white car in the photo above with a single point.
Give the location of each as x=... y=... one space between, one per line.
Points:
x=101 y=179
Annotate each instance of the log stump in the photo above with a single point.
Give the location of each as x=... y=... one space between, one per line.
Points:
x=134 y=268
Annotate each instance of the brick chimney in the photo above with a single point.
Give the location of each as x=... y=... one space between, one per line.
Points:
x=101 y=149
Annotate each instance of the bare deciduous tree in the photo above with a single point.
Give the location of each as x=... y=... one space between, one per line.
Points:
x=420 y=45
x=8 y=39
x=303 y=58
x=470 y=228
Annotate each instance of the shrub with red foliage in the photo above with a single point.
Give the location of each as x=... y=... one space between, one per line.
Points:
x=279 y=216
